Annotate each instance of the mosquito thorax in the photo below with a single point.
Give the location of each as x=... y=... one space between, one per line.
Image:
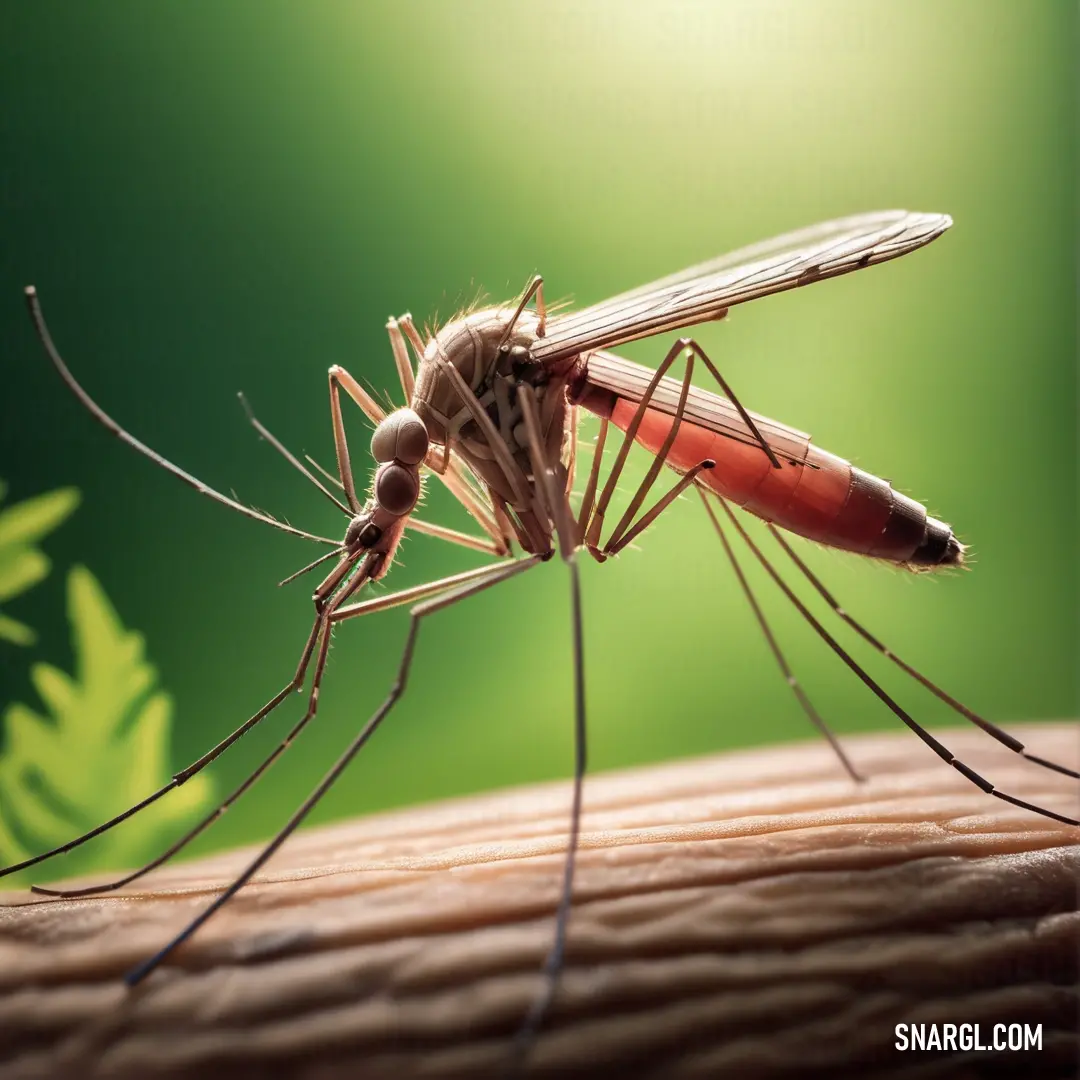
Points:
x=493 y=356
x=471 y=345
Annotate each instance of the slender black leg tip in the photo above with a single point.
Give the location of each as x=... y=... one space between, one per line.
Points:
x=136 y=975
x=42 y=891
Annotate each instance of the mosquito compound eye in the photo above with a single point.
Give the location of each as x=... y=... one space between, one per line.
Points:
x=384 y=440
x=412 y=438
x=396 y=488
x=400 y=437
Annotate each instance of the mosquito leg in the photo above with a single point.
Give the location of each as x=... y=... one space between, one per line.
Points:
x=500 y=572
x=571 y=470
x=340 y=377
x=567 y=529
x=661 y=505
x=139 y=973
x=330 y=583
x=623 y=533
x=596 y=525
x=617 y=540
x=747 y=418
x=509 y=525
x=341 y=445
x=942 y=751
x=193 y=769
x=541 y=310
x=454 y=479
x=415 y=340
x=477 y=543
x=807 y=707
x=571 y=463
x=401 y=358
x=613 y=543
x=215 y=814
x=993 y=730
x=419 y=592
x=555 y=499
x=530 y=1027
x=322 y=633
x=594 y=475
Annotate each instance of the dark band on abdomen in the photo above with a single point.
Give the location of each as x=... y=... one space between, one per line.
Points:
x=939 y=547
x=900 y=529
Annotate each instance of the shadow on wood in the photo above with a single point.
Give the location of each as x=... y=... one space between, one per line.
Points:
x=749 y=915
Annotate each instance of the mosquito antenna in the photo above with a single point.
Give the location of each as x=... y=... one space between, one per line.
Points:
x=942 y=751
x=310 y=566
x=992 y=730
x=103 y=418
x=326 y=472
x=276 y=443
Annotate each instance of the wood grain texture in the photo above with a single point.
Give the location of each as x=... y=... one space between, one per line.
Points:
x=749 y=915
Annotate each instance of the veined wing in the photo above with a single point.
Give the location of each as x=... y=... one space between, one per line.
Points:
x=705 y=292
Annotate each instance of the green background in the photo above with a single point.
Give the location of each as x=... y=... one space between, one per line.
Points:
x=214 y=197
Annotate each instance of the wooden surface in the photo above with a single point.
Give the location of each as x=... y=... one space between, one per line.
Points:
x=747 y=915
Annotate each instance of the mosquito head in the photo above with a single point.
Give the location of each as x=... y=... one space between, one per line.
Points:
x=399 y=445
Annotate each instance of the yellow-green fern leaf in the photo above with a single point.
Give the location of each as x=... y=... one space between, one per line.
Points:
x=22 y=564
x=101 y=746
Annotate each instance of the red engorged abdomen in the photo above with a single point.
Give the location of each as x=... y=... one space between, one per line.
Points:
x=814 y=493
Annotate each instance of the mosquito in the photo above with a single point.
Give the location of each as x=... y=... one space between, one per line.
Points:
x=493 y=410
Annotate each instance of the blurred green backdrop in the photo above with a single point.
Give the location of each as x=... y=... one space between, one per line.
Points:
x=220 y=197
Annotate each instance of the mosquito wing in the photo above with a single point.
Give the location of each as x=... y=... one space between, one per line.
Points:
x=705 y=292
